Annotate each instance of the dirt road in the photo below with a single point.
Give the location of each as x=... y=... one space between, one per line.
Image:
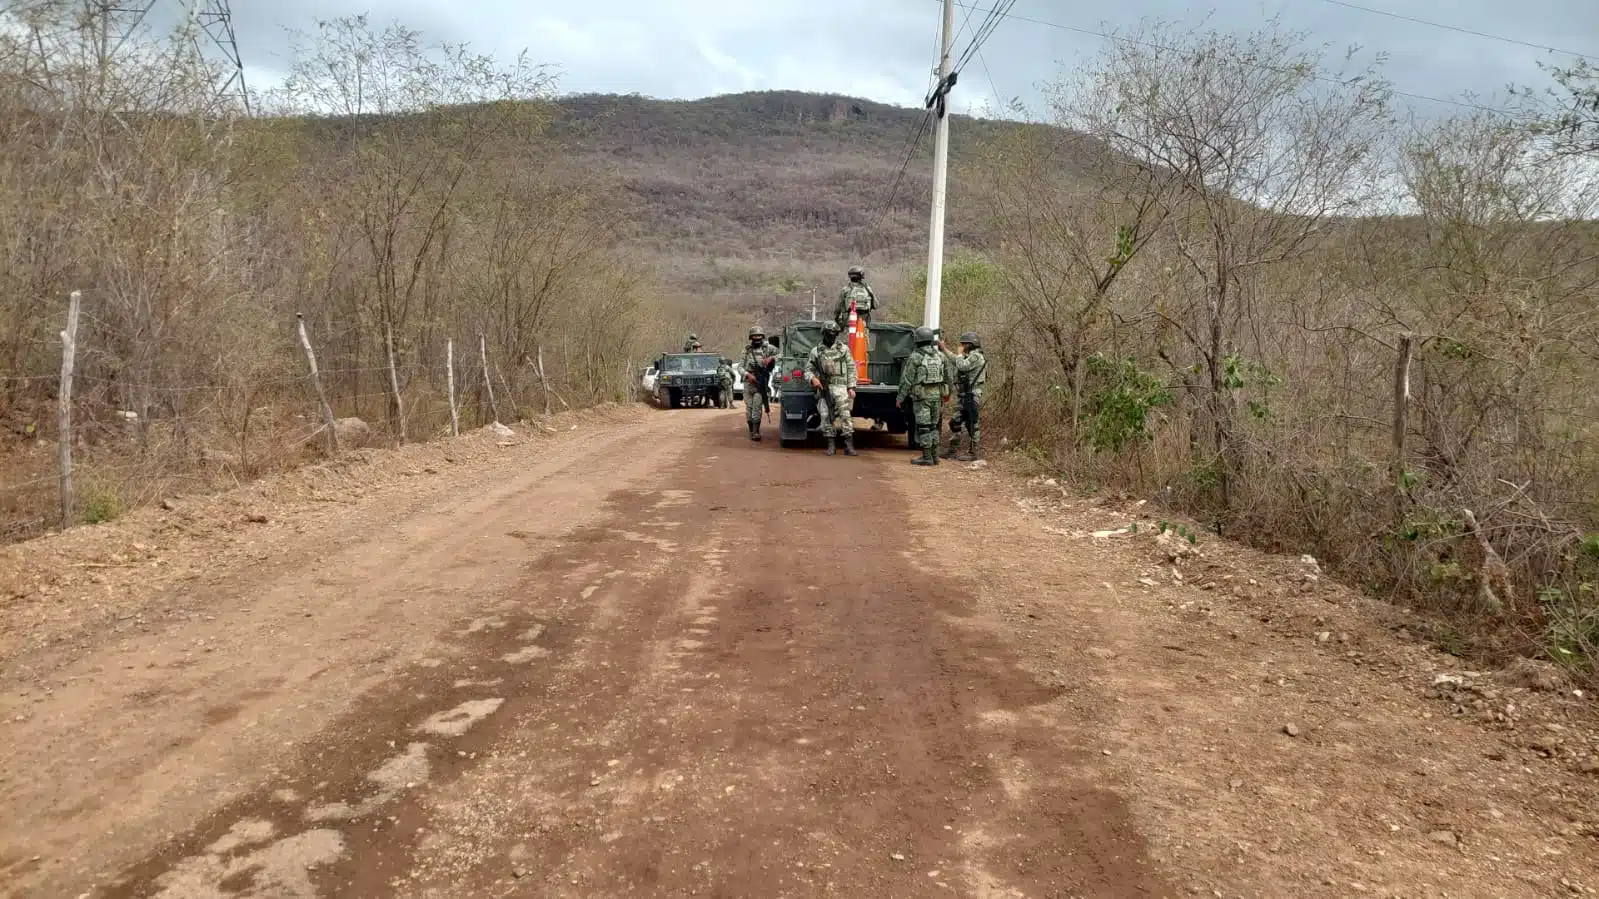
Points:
x=647 y=657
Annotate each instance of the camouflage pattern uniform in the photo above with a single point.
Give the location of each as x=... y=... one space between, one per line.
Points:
x=858 y=290
x=692 y=344
x=835 y=368
x=724 y=373
x=925 y=381
x=971 y=371
x=758 y=359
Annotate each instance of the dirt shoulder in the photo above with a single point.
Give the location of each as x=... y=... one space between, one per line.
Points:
x=1279 y=734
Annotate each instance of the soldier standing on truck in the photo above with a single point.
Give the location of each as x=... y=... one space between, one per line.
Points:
x=858 y=291
x=971 y=371
x=831 y=370
x=759 y=357
x=925 y=381
x=724 y=376
x=692 y=344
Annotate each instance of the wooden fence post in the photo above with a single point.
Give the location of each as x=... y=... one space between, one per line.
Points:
x=449 y=379
x=510 y=394
x=544 y=381
x=394 y=382
x=1401 y=421
x=69 y=352
x=316 y=381
x=488 y=381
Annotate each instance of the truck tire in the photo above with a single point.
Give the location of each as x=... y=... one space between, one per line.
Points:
x=674 y=399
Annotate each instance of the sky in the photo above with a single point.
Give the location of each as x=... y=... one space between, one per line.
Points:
x=884 y=50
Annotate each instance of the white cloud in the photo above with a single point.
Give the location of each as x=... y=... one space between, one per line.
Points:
x=884 y=49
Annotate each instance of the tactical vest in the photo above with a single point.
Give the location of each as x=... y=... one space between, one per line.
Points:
x=972 y=380
x=932 y=369
x=753 y=359
x=861 y=294
x=833 y=361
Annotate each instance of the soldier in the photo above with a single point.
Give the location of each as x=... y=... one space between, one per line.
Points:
x=692 y=344
x=858 y=290
x=724 y=375
x=759 y=357
x=831 y=370
x=970 y=370
x=925 y=381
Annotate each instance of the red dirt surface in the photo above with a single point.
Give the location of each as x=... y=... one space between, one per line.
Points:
x=649 y=657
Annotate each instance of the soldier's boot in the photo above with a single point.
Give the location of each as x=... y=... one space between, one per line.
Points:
x=969 y=455
x=929 y=455
x=831 y=450
x=755 y=431
x=949 y=451
x=849 y=445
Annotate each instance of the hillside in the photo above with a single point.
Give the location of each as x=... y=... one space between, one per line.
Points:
x=744 y=191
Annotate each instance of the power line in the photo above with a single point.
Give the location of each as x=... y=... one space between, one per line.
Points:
x=915 y=139
x=999 y=102
x=987 y=22
x=1458 y=29
x=1327 y=78
x=910 y=153
x=997 y=14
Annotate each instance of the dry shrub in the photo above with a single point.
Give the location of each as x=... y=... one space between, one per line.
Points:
x=1216 y=328
x=435 y=210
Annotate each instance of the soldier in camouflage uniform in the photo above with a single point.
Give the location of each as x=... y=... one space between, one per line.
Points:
x=724 y=375
x=831 y=370
x=858 y=290
x=759 y=357
x=925 y=381
x=692 y=344
x=971 y=370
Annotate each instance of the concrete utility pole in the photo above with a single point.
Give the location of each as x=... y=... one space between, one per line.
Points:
x=935 y=231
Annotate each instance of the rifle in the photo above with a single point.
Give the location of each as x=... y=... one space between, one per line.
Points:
x=763 y=383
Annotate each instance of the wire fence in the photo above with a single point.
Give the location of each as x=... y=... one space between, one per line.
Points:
x=131 y=444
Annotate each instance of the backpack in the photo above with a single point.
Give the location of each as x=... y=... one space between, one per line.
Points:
x=862 y=295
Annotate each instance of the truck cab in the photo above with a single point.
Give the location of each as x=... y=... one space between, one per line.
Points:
x=888 y=345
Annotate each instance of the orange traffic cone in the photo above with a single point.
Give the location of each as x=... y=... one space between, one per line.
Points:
x=857 y=345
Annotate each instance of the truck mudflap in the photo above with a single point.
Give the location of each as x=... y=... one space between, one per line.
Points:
x=797 y=415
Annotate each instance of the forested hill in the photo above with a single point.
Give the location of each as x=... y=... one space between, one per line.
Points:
x=742 y=191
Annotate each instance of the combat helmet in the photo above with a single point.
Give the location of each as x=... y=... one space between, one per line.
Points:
x=830 y=327
x=857 y=270
x=971 y=338
x=924 y=335
x=757 y=331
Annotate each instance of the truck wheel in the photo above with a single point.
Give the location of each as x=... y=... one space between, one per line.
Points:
x=674 y=399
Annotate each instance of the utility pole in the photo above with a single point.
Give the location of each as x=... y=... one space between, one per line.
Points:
x=813 y=304
x=935 y=230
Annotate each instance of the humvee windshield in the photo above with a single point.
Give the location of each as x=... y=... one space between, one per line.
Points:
x=694 y=362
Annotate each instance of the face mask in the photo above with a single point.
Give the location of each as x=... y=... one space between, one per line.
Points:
x=829 y=339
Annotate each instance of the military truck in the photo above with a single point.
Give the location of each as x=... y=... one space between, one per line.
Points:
x=688 y=379
x=888 y=345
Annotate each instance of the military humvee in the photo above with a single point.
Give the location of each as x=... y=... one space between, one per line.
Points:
x=688 y=379
x=888 y=345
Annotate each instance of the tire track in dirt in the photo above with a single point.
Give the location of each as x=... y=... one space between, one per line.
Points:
x=742 y=681
x=150 y=732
